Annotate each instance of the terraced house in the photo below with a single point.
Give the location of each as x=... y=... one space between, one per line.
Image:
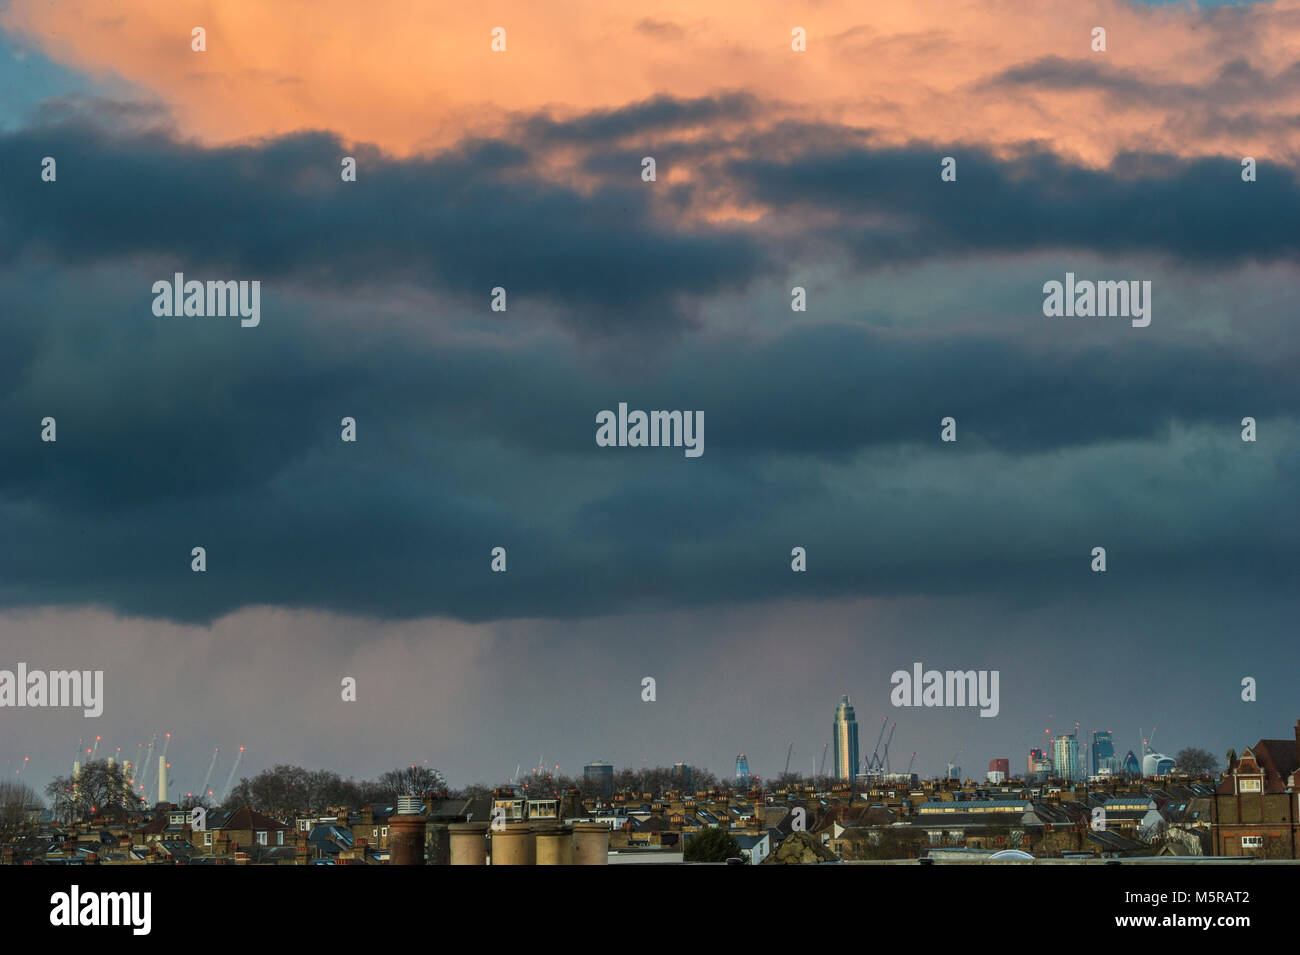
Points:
x=1255 y=804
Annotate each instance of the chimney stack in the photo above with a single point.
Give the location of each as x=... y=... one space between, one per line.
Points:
x=468 y=843
x=514 y=844
x=406 y=832
x=555 y=846
x=162 y=781
x=590 y=843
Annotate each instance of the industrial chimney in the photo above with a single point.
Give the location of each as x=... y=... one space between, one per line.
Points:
x=162 y=781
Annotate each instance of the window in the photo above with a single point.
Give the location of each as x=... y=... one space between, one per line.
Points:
x=1252 y=842
x=261 y=838
x=383 y=831
x=1248 y=785
x=279 y=837
x=207 y=838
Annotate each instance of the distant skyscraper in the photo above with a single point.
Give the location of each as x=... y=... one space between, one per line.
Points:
x=845 y=734
x=1065 y=757
x=683 y=777
x=1132 y=767
x=1157 y=764
x=1035 y=755
x=742 y=769
x=600 y=776
x=1103 y=751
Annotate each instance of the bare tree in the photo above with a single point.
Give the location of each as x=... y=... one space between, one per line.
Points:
x=1196 y=762
x=15 y=798
x=412 y=781
x=99 y=788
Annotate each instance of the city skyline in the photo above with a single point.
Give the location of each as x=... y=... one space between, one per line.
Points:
x=146 y=756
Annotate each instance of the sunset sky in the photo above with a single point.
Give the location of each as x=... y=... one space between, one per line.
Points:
x=522 y=169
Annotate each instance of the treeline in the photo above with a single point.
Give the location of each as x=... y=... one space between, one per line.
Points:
x=104 y=790
x=285 y=789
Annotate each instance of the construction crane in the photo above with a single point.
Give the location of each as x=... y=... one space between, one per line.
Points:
x=230 y=779
x=885 y=755
x=203 y=790
x=788 y=753
x=879 y=737
x=951 y=758
x=876 y=763
x=911 y=763
x=825 y=749
x=873 y=761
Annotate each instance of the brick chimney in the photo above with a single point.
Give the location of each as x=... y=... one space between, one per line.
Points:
x=302 y=850
x=368 y=816
x=406 y=830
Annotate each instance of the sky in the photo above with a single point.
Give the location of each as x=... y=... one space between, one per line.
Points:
x=523 y=169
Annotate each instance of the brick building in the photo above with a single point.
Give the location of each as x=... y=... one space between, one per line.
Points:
x=1255 y=805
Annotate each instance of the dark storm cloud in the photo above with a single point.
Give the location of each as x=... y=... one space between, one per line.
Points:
x=465 y=221
x=890 y=206
x=180 y=432
x=616 y=255
x=175 y=433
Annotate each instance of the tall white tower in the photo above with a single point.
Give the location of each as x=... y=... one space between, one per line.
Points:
x=162 y=780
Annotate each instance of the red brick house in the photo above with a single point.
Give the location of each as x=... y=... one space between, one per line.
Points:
x=1255 y=805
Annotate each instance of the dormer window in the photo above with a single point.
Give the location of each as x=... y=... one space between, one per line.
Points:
x=1248 y=785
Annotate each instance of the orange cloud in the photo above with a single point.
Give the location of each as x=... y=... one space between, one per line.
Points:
x=409 y=76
